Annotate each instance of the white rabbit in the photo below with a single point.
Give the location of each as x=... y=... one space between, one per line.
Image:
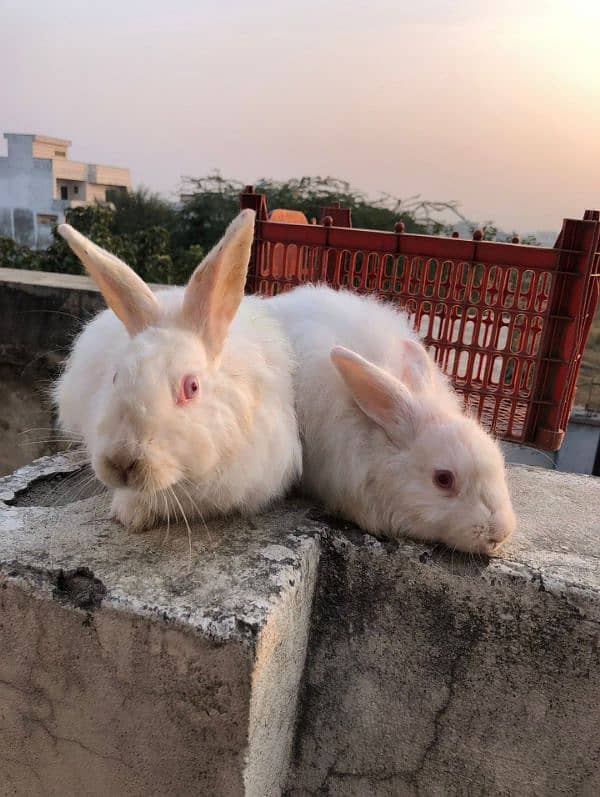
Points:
x=184 y=397
x=386 y=443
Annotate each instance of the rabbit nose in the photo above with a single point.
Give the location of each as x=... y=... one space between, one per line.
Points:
x=124 y=465
x=499 y=531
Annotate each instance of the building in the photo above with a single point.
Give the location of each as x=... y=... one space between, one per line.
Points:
x=38 y=183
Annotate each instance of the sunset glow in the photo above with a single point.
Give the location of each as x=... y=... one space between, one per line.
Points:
x=499 y=109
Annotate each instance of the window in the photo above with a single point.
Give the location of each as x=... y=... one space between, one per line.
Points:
x=64 y=192
x=46 y=218
x=75 y=189
x=59 y=153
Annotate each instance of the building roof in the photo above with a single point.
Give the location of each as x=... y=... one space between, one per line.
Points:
x=55 y=142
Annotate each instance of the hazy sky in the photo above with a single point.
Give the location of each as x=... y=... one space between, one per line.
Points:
x=499 y=108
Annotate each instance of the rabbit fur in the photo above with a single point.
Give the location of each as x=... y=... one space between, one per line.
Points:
x=381 y=426
x=184 y=397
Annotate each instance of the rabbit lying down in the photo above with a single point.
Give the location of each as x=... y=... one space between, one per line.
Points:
x=184 y=401
x=386 y=443
x=184 y=398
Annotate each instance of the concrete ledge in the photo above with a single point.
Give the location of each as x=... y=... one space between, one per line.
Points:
x=41 y=312
x=46 y=279
x=434 y=674
x=125 y=670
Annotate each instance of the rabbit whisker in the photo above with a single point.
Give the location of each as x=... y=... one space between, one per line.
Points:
x=185 y=521
x=195 y=505
x=166 y=537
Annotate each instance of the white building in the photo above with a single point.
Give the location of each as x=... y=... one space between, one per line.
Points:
x=38 y=183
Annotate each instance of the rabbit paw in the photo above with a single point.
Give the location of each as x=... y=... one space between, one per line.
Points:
x=130 y=511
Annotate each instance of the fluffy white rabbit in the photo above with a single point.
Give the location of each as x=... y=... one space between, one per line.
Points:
x=183 y=397
x=386 y=442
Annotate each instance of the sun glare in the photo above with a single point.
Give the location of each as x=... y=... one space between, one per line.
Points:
x=564 y=43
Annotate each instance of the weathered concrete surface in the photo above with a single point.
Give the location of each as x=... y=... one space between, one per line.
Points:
x=126 y=668
x=429 y=674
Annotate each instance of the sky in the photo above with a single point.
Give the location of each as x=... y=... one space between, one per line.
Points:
x=495 y=107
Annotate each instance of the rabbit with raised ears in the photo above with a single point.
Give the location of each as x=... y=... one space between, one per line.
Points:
x=184 y=397
x=386 y=442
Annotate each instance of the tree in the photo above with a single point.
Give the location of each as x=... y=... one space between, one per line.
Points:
x=140 y=210
x=164 y=241
x=208 y=206
x=211 y=201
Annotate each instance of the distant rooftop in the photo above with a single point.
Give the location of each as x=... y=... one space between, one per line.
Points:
x=41 y=139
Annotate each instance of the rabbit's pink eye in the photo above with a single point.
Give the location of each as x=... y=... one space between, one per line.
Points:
x=189 y=387
x=444 y=479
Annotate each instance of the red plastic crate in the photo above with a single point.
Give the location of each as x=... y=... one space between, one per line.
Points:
x=507 y=322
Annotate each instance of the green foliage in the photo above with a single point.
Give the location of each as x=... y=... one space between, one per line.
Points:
x=14 y=256
x=492 y=233
x=530 y=240
x=310 y=194
x=164 y=242
x=488 y=228
x=125 y=230
x=210 y=202
x=140 y=210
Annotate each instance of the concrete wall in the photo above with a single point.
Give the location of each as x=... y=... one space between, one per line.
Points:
x=70 y=170
x=95 y=193
x=293 y=654
x=26 y=189
x=432 y=674
x=109 y=175
x=48 y=147
x=39 y=316
x=122 y=687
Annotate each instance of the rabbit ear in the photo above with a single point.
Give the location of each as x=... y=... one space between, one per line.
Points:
x=382 y=397
x=418 y=368
x=127 y=295
x=216 y=287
